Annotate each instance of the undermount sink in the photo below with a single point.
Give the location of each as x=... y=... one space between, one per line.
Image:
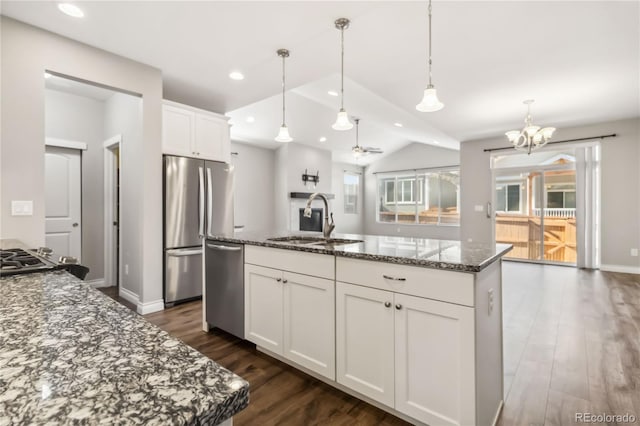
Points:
x=313 y=241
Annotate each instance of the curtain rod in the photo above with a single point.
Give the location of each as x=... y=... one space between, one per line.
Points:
x=419 y=170
x=612 y=135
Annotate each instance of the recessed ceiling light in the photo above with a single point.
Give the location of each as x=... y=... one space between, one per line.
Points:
x=236 y=75
x=47 y=75
x=398 y=124
x=323 y=139
x=250 y=119
x=71 y=10
x=333 y=93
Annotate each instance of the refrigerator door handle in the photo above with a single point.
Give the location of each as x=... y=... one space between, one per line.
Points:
x=183 y=252
x=201 y=202
x=227 y=248
x=209 y=200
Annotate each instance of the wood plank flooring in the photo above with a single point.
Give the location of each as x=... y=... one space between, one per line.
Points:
x=571 y=344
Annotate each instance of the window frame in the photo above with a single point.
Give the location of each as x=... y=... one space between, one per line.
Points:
x=356 y=193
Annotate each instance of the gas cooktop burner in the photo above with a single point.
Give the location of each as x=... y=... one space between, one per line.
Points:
x=15 y=261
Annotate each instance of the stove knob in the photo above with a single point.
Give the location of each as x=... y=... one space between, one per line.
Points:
x=68 y=260
x=44 y=251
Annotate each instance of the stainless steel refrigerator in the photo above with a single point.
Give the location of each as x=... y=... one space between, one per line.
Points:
x=198 y=202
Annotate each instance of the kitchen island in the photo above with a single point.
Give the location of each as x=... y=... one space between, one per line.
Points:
x=411 y=325
x=71 y=355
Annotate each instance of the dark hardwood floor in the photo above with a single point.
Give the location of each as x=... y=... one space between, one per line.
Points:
x=571 y=345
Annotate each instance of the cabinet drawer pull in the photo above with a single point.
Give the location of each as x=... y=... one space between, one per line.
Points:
x=398 y=306
x=284 y=281
x=278 y=279
x=388 y=277
x=387 y=304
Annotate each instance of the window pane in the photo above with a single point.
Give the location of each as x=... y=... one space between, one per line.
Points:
x=513 y=198
x=554 y=200
x=386 y=208
x=570 y=200
x=501 y=198
x=390 y=192
x=449 y=182
x=351 y=189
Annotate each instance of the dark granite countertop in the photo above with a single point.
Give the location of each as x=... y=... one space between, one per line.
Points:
x=71 y=355
x=430 y=253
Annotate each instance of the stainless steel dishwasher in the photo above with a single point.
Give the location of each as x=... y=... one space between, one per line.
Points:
x=224 y=268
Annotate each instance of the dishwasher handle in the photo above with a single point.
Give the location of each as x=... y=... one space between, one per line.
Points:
x=225 y=248
x=182 y=252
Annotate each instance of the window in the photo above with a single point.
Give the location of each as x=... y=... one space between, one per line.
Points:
x=351 y=189
x=508 y=198
x=422 y=197
x=561 y=199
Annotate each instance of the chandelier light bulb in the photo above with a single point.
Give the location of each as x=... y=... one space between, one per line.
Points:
x=531 y=136
x=342 y=121
x=283 y=134
x=430 y=101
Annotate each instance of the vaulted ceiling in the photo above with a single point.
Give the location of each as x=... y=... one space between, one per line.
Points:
x=578 y=59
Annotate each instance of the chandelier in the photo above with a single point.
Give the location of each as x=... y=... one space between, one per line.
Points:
x=531 y=137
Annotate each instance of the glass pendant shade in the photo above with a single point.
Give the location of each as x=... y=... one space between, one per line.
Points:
x=283 y=135
x=513 y=135
x=547 y=132
x=531 y=136
x=342 y=121
x=430 y=101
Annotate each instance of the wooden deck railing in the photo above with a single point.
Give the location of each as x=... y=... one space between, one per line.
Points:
x=524 y=233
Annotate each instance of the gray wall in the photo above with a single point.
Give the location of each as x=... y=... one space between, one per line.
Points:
x=80 y=119
x=26 y=52
x=413 y=156
x=254 y=204
x=620 y=188
x=123 y=116
x=347 y=223
x=291 y=160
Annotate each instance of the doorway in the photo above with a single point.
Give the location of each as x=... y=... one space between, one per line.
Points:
x=63 y=200
x=112 y=238
x=539 y=207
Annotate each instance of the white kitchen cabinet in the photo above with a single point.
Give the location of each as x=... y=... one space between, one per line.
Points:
x=434 y=361
x=191 y=132
x=364 y=341
x=291 y=315
x=263 y=307
x=410 y=353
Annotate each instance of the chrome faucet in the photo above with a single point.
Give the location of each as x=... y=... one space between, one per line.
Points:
x=328 y=228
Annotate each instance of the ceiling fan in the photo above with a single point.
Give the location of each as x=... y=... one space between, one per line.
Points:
x=359 y=151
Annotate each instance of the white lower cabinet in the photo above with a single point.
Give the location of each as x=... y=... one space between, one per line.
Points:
x=410 y=353
x=364 y=341
x=292 y=315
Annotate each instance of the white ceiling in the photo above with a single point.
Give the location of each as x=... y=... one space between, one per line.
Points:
x=578 y=59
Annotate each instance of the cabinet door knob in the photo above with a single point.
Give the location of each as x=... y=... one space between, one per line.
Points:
x=284 y=281
x=387 y=304
x=398 y=306
x=278 y=279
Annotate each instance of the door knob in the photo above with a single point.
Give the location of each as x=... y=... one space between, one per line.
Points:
x=75 y=225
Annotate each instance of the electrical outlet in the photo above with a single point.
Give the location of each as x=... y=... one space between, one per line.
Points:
x=126 y=269
x=634 y=252
x=490 y=293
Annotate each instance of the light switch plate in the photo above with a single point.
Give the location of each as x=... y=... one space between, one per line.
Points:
x=21 y=208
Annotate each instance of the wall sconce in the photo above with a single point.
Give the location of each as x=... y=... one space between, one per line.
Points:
x=310 y=179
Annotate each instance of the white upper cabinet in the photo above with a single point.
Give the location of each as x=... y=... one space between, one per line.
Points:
x=191 y=132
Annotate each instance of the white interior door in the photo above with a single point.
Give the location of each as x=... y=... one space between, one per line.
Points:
x=63 y=230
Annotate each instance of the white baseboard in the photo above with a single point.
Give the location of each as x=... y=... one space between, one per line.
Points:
x=150 y=307
x=97 y=283
x=129 y=296
x=621 y=268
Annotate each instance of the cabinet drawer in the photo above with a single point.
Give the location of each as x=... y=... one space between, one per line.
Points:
x=318 y=265
x=447 y=286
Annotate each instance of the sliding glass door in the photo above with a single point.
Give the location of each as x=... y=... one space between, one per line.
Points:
x=535 y=206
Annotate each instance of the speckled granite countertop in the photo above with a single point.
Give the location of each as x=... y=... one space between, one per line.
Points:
x=439 y=254
x=71 y=355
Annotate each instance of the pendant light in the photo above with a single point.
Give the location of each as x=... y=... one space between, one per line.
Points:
x=342 y=122
x=430 y=101
x=283 y=134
